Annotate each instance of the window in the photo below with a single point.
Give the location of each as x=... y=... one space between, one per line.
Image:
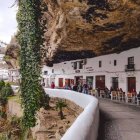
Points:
x=52 y=70
x=115 y=62
x=75 y=65
x=45 y=72
x=100 y=64
x=130 y=60
x=81 y=65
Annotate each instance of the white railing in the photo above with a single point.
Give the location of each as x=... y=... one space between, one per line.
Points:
x=85 y=127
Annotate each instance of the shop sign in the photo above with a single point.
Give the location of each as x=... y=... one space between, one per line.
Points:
x=89 y=69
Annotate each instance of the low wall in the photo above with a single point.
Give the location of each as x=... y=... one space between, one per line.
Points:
x=85 y=126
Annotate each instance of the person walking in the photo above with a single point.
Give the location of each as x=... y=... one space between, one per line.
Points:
x=85 y=88
x=52 y=85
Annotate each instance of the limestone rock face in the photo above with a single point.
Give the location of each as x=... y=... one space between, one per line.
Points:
x=86 y=28
x=12 y=54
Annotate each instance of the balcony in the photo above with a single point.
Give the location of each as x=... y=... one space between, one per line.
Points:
x=130 y=67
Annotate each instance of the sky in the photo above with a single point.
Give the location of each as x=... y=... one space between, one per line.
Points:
x=8 y=24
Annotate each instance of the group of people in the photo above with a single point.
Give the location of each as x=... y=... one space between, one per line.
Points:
x=85 y=88
x=108 y=92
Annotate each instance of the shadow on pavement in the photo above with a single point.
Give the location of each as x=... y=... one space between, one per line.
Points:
x=107 y=128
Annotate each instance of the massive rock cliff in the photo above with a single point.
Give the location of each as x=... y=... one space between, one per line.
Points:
x=12 y=54
x=86 y=28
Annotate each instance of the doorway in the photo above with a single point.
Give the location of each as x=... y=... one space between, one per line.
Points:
x=78 y=79
x=100 y=82
x=115 y=83
x=89 y=80
x=131 y=83
x=60 y=82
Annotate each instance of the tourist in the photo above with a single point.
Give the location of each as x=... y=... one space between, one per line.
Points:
x=85 y=88
x=89 y=89
x=71 y=86
x=134 y=93
x=98 y=90
x=79 y=88
x=107 y=92
x=121 y=90
x=52 y=85
x=67 y=87
x=74 y=88
x=138 y=95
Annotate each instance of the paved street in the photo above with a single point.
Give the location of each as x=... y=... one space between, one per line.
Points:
x=118 y=121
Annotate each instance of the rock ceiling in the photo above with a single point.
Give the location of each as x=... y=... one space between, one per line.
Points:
x=87 y=28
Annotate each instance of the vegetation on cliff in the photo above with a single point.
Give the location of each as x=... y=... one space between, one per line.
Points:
x=29 y=38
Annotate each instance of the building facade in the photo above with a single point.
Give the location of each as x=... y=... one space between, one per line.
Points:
x=120 y=70
x=14 y=75
x=3 y=68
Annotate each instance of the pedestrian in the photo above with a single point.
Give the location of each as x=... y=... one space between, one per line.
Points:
x=85 y=88
x=52 y=85
x=80 y=87
x=107 y=92
x=74 y=88
x=138 y=95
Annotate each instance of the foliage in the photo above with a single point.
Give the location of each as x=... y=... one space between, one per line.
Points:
x=29 y=38
x=60 y=104
x=2 y=84
x=5 y=92
x=3 y=114
x=45 y=99
x=4 y=137
x=8 y=90
x=3 y=96
x=11 y=129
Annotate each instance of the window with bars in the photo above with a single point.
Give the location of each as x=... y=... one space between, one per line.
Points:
x=130 y=60
x=100 y=64
x=115 y=62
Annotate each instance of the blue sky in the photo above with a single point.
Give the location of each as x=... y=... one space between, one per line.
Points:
x=8 y=24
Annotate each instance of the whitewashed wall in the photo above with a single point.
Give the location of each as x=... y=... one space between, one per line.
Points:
x=86 y=125
x=108 y=69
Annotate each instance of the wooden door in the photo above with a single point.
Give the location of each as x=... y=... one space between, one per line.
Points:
x=60 y=82
x=100 y=81
x=131 y=83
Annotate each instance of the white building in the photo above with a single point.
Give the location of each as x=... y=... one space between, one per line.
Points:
x=14 y=75
x=120 y=70
x=3 y=68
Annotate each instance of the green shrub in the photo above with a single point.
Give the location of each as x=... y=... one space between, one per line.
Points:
x=9 y=90
x=5 y=91
x=3 y=114
x=4 y=137
x=2 y=84
x=60 y=104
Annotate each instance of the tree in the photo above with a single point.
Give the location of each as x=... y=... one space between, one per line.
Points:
x=60 y=105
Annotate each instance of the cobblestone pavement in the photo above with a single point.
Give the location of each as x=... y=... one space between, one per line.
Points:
x=118 y=121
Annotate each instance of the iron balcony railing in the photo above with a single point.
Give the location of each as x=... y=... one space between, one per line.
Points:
x=130 y=67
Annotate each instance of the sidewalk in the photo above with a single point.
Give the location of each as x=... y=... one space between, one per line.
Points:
x=118 y=121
